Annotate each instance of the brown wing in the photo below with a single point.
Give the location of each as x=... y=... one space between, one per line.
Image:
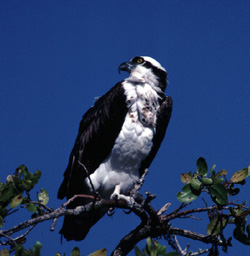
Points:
x=97 y=133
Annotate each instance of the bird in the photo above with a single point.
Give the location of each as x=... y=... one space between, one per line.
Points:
x=117 y=140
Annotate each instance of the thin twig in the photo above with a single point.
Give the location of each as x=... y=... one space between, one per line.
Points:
x=42 y=205
x=52 y=228
x=186 y=249
x=77 y=196
x=178 y=246
x=8 y=237
x=189 y=217
x=25 y=234
x=179 y=208
x=163 y=209
x=175 y=214
x=200 y=252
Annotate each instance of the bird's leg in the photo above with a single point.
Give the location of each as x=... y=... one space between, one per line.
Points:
x=116 y=195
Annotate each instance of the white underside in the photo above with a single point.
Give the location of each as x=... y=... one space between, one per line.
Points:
x=118 y=173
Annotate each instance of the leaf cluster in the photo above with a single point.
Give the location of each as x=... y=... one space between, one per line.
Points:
x=219 y=189
x=153 y=248
x=215 y=183
x=15 y=192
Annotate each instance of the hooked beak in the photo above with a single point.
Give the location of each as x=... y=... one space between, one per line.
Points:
x=125 y=66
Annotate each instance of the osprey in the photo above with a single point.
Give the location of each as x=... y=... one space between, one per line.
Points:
x=117 y=140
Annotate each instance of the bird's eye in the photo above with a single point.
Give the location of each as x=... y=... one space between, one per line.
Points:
x=140 y=60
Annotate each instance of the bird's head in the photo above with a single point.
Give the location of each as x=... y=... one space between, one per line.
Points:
x=145 y=69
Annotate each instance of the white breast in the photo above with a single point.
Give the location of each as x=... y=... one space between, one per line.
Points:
x=133 y=143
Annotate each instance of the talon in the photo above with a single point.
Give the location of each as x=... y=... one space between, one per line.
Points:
x=127 y=212
x=111 y=211
x=116 y=196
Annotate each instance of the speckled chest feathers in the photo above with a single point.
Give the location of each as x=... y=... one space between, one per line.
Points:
x=143 y=104
x=133 y=143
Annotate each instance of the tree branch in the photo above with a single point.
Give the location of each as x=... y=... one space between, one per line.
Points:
x=152 y=224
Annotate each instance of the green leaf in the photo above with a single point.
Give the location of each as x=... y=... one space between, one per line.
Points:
x=31 y=207
x=207 y=181
x=213 y=174
x=20 y=251
x=239 y=175
x=7 y=194
x=185 y=178
x=242 y=213
x=37 y=174
x=3 y=212
x=149 y=241
x=16 y=201
x=219 y=194
x=217 y=224
x=26 y=184
x=37 y=249
x=22 y=170
x=138 y=251
x=196 y=184
x=4 y=252
x=187 y=195
x=202 y=166
x=43 y=197
x=101 y=252
x=212 y=168
x=75 y=252
x=149 y=247
x=231 y=221
x=240 y=235
x=160 y=249
x=218 y=181
x=35 y=178
x=239 y=211
x=233 y=191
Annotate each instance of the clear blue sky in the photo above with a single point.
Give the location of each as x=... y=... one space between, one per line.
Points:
x=56 y=56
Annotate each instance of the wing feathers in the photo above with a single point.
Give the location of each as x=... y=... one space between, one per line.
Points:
x=98 y=130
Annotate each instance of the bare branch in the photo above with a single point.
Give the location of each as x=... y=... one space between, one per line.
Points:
x=9 y=238
x=153 y=223
x=150 y=229
x=61 y=211
x=200 y=252
x=182 y=252
x=175 y=214
x=163 y=209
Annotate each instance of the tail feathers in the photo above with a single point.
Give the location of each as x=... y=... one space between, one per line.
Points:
x=77 y=227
